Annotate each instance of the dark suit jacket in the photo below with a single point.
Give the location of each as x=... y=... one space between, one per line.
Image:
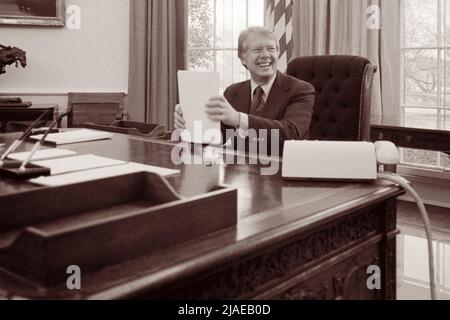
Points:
x=288 y=108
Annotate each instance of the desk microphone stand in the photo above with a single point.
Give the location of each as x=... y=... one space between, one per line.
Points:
x=25 y=170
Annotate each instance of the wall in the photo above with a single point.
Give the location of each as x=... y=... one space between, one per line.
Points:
x=60 y=60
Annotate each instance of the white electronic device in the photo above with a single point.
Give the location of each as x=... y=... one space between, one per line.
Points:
x=329 y=160
x=334 y=160
x=387 y=153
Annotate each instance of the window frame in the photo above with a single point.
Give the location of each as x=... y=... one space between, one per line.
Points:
x=215 y=48
x=442 y=112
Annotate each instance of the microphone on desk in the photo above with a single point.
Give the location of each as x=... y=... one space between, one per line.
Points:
x=13 y=147
x=38 y=144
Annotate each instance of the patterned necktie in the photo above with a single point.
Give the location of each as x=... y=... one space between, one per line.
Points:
x=258 y=101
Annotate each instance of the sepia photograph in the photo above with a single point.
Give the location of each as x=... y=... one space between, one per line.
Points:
x=264 y=152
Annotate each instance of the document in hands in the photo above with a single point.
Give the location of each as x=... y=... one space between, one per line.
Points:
x=195 y=89
x=75 y=136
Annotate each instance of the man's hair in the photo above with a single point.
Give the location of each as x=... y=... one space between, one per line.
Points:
x=242 y=45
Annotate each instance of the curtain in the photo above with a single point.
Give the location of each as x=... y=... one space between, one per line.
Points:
x=322 y=27
x=157 y=51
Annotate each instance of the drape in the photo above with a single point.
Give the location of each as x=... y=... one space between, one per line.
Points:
x=157 y=51
x=323 y=27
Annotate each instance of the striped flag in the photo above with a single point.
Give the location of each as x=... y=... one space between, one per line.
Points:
x=278 y=18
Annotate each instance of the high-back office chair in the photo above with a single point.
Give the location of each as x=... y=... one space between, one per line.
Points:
x=343 y=95
x=98 y=108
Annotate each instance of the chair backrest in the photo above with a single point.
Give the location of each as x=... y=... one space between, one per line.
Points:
x=343 y=95
x=98 y=108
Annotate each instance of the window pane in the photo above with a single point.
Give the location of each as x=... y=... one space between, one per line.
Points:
x=421 y=83
x=201 y=24
x=218 y=50
x=201 y=60
x=421 y=28
x=224 y=61
x=421 y=118
x=423 y=157
x=441 y=119
x=239 y=19
x=426 y=84
x=445 y=159
x=446 y=77
x=447 y=25
x=256 y=12
x=232 y=17
x=240 y=73
x=447 y=119
x=443 y=78
x=225 y=10
x=219 y=23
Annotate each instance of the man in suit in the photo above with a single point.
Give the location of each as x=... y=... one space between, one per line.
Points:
x=270 y=100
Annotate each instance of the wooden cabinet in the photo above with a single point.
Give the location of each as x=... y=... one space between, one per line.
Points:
x=415 y=138
x=98 y=108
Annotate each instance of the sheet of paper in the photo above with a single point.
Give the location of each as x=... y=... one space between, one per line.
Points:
x=195 y=89
x=75 y=136
x=77 y=163
x=101 y=173
x=212 y=175
x=43 y=154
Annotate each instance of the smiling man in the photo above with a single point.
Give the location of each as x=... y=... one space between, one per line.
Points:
x=270 y=100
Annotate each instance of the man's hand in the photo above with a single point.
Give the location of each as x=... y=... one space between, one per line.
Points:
x=178 y=120
x=219 y=109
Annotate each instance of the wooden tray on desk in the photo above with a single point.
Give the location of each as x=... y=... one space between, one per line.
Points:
x=142 y=129
x=101 y=223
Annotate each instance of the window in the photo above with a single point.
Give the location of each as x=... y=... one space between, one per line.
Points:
x=425 y=97
x=214 y=27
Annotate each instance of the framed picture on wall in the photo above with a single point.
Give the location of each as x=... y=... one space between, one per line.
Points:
x=33 y=12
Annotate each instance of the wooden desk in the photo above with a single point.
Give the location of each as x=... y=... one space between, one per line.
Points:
x=294 y=240
x=411 y=137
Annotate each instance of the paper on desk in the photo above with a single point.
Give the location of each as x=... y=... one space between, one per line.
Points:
x=42 y=154
x=74 y=136
x=101 y=173
x=195 y=89
x=77 y=163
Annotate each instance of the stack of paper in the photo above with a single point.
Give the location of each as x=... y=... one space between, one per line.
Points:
x=100 y=173
x=75 y=136
x=42 y=154
x=77 y=163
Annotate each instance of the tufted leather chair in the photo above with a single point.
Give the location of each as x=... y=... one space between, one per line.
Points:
x=343 y=95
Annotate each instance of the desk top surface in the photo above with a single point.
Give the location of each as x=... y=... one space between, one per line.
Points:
x=268 y=206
